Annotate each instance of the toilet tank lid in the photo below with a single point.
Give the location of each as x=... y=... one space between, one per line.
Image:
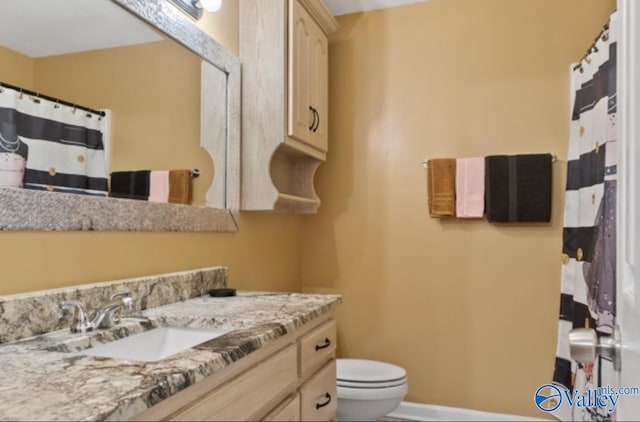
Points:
x=362 y=370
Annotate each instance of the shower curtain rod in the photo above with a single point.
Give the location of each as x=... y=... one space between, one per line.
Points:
x=605 y=28
x=54 y=99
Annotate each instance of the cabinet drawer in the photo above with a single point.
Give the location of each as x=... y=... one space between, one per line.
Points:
x=318 y=398
x=248 y=393
x=317 y=347
x=287 y=411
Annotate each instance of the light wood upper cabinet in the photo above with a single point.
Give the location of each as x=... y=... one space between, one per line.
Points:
x=284 y=51
x=308 y=78
x=301 y=75
x=320 y=97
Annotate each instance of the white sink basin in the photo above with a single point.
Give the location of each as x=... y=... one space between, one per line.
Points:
x=155 y=344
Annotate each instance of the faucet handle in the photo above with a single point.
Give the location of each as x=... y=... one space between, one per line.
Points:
x=127 y=299
x=81 y=323
x=120 y=294
x=110 y=314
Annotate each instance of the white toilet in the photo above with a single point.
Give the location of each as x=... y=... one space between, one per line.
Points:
x=368 y=389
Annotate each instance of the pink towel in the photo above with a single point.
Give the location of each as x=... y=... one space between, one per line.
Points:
x=470 y=187
x=159 y=186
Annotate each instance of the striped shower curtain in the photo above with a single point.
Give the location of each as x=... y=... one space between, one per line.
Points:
x=588 y=287
x=48 y=146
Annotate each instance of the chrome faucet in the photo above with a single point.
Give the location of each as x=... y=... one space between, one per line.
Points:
x=81 y=323
x=104 y=317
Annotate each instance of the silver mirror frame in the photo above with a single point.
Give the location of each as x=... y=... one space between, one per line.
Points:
x=23 y=209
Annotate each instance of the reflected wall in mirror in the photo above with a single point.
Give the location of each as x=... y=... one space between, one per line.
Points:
x=153 y=88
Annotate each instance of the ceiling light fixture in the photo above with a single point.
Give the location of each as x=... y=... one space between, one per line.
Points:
x=195 y=8
x=211 y=5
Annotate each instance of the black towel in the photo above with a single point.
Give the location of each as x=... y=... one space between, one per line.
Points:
x=518 y=188
x=130 y=184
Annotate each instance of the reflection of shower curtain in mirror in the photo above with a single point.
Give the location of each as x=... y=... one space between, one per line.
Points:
x=48 y=146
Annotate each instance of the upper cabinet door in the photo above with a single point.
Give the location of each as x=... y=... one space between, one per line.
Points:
x=308 y=78
x=320 y=94
x=302 y=118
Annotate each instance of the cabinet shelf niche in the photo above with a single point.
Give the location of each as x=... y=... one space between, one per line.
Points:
x=292 y=175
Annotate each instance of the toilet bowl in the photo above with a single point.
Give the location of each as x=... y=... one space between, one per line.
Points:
x=368 y=389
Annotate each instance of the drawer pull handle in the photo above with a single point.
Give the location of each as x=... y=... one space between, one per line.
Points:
x=326 y=344
x=321 y=405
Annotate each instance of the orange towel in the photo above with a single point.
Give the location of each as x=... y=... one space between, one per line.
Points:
x=180 y=186
x=441 y=187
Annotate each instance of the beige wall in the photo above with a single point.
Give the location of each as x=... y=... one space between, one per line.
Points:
x=16 y=69
x=467 y=307
x=264 y=255
x=42 y=260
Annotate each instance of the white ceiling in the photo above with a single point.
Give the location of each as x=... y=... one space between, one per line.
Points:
x=342 y=7
x=38 y=28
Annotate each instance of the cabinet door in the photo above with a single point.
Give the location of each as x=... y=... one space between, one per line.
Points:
x=287 y=412
x=318 y=398
x=248 y=393
x=319 y=63
x=301 y=117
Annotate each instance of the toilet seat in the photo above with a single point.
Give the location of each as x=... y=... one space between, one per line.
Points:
x=382 y=384
x=362 y=371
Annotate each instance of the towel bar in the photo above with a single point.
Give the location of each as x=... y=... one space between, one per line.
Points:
x=554 y=158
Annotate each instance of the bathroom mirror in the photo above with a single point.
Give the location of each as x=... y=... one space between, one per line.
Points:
x=216 y=117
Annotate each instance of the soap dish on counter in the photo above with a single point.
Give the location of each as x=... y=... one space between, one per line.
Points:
x=222 y=292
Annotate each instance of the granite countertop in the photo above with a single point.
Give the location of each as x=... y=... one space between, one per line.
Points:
x=46 y=377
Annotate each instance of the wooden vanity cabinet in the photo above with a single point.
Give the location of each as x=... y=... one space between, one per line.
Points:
x=284 y=51
x=288 y=410
x=291 y=379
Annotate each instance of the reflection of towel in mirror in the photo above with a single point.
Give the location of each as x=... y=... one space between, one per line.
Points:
x=173 y=186
x=130 y=184
x=180 y=186
x=518 y=188
x=11 y=170
x=441 y=187
x=159 y=186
